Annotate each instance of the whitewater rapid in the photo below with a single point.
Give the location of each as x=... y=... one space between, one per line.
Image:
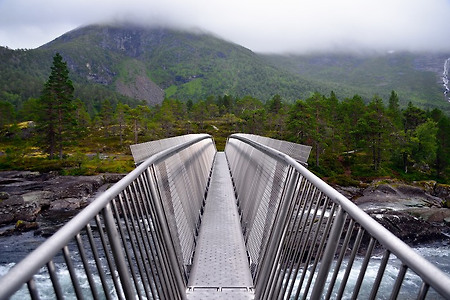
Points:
x=439 y=254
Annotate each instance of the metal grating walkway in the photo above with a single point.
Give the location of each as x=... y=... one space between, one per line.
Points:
x=220 y=269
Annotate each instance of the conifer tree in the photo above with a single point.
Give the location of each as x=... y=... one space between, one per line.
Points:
x=56 y=120
x=374 y=126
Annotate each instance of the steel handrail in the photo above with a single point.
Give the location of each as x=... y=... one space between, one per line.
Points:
x=429 y=273
x=30 y=265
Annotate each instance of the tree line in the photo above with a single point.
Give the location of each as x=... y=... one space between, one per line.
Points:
x=351 y=137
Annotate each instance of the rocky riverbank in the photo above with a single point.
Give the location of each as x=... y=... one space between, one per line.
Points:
x=417 y=213
x=42 y=202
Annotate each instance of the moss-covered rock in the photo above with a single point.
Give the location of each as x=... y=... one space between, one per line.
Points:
x=23 y=226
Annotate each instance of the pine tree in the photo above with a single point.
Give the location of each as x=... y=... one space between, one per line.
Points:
x=107 y=117
x=374 y=126
x=56 y=120
x=122 y=110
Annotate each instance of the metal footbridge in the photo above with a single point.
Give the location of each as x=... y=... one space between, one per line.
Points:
x=247 y=223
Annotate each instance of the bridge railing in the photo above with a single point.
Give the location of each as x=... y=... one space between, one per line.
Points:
x=307 y=241
x=136 y=240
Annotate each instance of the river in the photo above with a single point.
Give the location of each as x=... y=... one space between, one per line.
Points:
x=14 y=248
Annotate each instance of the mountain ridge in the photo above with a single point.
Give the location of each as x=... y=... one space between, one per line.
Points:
x=133 y=63
x=415 y=77
x=186 y=65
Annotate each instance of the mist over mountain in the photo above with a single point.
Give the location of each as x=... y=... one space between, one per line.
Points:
x=130 y=63
x=416 y=77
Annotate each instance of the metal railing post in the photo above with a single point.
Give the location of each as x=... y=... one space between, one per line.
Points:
x=167 y=238
x=278 y=233
x=328 y=254
x=162 y=273
x=119 y=258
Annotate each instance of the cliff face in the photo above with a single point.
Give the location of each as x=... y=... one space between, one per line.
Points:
x=114 y=57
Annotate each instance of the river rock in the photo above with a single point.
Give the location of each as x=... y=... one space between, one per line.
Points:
x=409 y=228
x=413 y=212
x=396 y=196
x=4 y=196
x=42 y=197
x=67 y=204
x=26 y=226
x=443 y=191
x=25 y=196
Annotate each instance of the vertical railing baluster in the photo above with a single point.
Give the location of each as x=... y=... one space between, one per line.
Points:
x=109 y=260
x=423 y=291
x=320 y=250
x=72 y=273
x=328 y=255
x=350 y=262
x=380 y=273
x=97 y=261
x=293 y=246
x=144 y=234
x=131 y=229
x=128 y=257
x=306 y=231
x=277 y=279
x=119 y=258
x=54 y=278
x=181 y=284
x=163 y=270
x=302 y=216
x=278 y=233
x=314 y=241
x=362 y=271
x=337 y=267
x=268 y=278
x=34 y=294
x=399 y=282
x=87 y=270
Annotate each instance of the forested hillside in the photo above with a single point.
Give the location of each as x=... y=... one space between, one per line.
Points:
x=132 y=84
x=352 y=140
x=23 y=73
x=134 y=65
x=416 y=77
x=149 y=64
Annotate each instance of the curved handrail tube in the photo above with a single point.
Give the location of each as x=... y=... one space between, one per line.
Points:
x=296 y=227
x=429 y=273
x=24 y=270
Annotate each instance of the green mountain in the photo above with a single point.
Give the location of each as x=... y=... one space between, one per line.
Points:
x=150 y=64
x=416 y=77
x=131 y=64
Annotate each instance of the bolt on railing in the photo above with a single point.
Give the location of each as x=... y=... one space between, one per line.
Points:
x=136 y=240
x=307 y=241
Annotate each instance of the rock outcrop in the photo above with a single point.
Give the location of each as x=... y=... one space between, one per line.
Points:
x=31 y=199
x=416 y=213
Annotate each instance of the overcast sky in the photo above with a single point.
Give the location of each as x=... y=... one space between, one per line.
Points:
x=260 y=25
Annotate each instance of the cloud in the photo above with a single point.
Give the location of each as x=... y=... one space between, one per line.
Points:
x=261 y=25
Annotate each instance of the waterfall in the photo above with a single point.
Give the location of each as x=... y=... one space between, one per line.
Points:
x=445 y=78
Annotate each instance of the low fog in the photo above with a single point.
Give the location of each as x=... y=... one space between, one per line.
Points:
x=282 y=26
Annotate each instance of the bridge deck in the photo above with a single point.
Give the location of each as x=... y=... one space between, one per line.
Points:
x=220 y=269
